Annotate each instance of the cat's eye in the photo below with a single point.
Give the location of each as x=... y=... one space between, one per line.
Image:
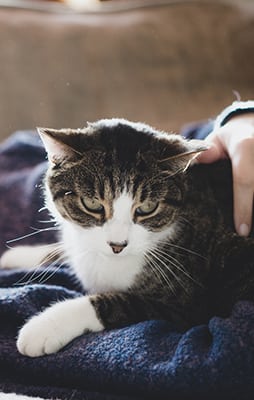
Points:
x=93 y=205
x=147 y=208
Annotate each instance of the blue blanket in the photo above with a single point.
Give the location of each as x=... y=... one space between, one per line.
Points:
x=146 y=360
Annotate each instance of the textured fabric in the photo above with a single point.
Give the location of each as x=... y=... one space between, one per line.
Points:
x=22 y=167
x=146 y=360
x=149 y=359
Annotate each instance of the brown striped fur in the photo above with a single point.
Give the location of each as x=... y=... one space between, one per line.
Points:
x=195 y=272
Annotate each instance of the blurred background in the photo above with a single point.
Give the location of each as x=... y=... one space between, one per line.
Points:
x=166 y=63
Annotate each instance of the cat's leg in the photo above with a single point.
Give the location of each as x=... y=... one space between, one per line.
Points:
x=55 y=327
x=28 y=257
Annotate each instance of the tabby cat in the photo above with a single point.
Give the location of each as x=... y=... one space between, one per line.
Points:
x=147 y=235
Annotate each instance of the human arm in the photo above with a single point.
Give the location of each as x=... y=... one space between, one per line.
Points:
x=233 y=137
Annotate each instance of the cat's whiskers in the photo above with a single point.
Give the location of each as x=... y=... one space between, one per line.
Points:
x=52 y=228
x=49 y=221
x=166 y=243
x=159 y=258
x=58 y=252
x=35 y=275
x=44 y=208
x=38 y=278
x=51 y=256
x=176 y=263
x=159 y=272
x=59 y=266
x=151 y=265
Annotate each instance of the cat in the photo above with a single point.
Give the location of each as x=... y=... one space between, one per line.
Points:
x=148 y=233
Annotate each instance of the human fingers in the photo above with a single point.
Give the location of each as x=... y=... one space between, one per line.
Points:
x=242 y=159
x=243 y=205
x=215 y=151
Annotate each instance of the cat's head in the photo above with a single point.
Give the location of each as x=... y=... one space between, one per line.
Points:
x=117 y=182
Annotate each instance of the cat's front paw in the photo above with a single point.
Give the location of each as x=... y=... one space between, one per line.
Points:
x=27 y=257
x=19 y=257
x=58 y=325
x=12 y=258
x=39 y=336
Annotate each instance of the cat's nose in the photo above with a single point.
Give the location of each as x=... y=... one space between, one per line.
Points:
x=118 y=247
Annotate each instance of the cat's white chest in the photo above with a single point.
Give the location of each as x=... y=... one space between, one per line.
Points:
x=99 y=273
x=97 y=267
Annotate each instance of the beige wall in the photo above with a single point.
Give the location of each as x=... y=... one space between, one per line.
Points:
x=163 y=65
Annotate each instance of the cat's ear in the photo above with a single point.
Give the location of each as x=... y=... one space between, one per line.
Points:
x=183 y=155
x=56 y=147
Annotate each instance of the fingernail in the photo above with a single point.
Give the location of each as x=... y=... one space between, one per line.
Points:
x=243 y=230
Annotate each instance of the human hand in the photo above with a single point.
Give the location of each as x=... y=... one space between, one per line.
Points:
x=235 y=140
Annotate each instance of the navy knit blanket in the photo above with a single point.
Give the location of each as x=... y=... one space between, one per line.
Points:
x=146 y=360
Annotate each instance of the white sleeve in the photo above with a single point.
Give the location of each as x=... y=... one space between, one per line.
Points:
x=236 y=108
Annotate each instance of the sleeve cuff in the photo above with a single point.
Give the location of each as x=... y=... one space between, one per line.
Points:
x=236 y=108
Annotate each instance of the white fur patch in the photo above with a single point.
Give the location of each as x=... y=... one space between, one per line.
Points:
x=14 y=396
x=24 y=256
x=92 y=258
x=118 y=228
x=52 y=329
